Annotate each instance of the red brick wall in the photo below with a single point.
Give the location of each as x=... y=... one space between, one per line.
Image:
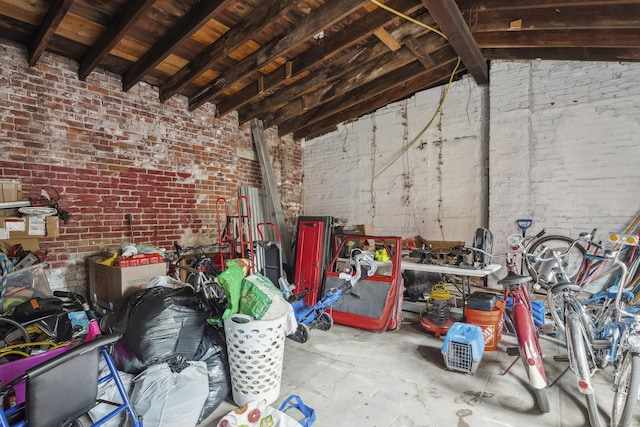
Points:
x=111 y=153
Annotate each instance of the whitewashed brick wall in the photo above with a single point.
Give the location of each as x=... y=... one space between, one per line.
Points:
x=564 y=151
x=564 y=147
x=431 y=191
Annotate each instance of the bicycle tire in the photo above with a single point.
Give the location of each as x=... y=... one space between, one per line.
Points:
x=543 y=399
x=626 y=391
x=573 y=260
x=578 y=359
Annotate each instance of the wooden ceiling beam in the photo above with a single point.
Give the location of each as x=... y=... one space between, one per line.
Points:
x=421 y=81
x=227 y=43
x=389 y=64
x=607 y=38
x=47 y=29
x=201 y=13
x=452 y=24
x=112 y=36
x=354 y=93
x=327 y=48
x=564 y=54
x=387 y=39
x=487 y=5
x=419 y=52
x=328 y=14
x=574 y=18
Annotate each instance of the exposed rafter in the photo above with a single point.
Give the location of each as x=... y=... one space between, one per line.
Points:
x=52 y=19
x=199 y=15
x=307 y=65
x=451 y=22
x=230 y=41
x=325 y=16
x=325 y=49
x=112 y=36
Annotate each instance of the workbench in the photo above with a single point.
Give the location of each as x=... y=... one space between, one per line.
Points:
x=464 y=273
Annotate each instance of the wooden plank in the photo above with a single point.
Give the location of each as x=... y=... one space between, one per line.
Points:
x=372 y=99
x=229 y=42
x=339 y=66
x=327 y=48
x=453 y=25
x=419 y=52
x=564 y=54
x=198 y=16
x=112 y=36
x=578 y=38
x=353 y=89
x=47 y=29
x=328 y=14
x=270 y=185
x=387 y=39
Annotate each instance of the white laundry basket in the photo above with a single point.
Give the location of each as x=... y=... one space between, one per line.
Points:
x=256 y=351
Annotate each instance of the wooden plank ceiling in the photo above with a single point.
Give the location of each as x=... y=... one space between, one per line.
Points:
x=308 y=65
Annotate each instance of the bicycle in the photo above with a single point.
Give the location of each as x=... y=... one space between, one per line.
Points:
x=627 y=375
x=520 y=321
x=200 y=273
x=592 y=328
x=539 y=263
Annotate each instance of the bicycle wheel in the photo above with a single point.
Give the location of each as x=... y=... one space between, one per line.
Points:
x=545 y=272
x=579 y=362
x=542 y=399
x=626 y=390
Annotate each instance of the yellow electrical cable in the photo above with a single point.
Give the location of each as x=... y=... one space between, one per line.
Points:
x=439 y=291
x=417 y=138
x=15 y=352
x=50 y=344
x=408 y=18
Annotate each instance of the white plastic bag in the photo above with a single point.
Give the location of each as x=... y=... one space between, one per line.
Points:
x=108 y=391
x=167 y=399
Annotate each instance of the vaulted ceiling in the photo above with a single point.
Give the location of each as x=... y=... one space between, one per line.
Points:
x=308 y=65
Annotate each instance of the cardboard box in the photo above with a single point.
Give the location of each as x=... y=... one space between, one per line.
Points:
x=111 y=286
x=10 y=191
x=364 y=229
x=28 y=228
x=27 y=244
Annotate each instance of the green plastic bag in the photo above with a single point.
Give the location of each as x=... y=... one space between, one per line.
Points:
x=258 y=296
x=231 y=281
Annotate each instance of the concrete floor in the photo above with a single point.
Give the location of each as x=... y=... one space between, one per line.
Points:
x=358 y=378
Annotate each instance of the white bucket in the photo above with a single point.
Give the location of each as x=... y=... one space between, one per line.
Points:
x=256 y=351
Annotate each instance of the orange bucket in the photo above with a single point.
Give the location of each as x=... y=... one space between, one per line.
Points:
x=490 y=322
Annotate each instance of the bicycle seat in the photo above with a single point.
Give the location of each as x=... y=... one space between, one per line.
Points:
x=563 y=286
x=513 y=279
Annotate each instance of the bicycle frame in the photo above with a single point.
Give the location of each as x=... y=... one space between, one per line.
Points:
x=529 y=349
x=527 y=336
x=595 y=340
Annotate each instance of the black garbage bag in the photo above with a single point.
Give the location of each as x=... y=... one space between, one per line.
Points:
x=213 y=351
x=158 y=324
